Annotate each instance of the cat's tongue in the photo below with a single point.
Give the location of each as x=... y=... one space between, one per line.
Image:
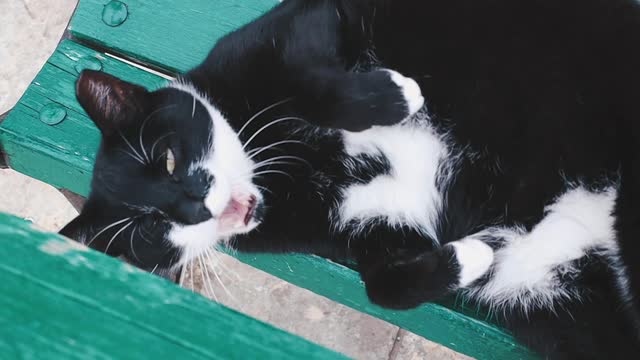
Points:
x=237 y=214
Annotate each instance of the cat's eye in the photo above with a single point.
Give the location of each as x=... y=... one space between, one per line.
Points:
x=171 y=162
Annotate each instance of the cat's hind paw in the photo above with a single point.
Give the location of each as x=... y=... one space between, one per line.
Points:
x=474 y=259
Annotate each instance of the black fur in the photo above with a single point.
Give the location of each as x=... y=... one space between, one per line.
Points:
x=532 y=95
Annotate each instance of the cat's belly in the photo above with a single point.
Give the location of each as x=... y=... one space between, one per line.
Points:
x=410 y=193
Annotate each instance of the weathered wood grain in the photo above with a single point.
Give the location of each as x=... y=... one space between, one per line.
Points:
x=63 y=301
x=172 y=35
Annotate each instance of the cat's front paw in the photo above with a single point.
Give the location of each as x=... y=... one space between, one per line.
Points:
x=391 y=98
x=359 y=101
x=410 y=91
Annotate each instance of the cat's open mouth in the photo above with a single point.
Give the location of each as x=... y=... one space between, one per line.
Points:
x=238 y=213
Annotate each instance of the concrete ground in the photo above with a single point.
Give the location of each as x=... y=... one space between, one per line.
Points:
x=30 y=32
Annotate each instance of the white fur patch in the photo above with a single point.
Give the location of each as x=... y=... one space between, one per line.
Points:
x=474 y=258
x=411 y=91
x=409 y=195
x=526 y=267
x=232 y=169
x=193 y=239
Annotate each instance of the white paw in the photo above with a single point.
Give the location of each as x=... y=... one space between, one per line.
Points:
x=474 y=258
x=410 y=89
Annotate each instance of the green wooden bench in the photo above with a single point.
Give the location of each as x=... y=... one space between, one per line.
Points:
x=62 y=301
x=49 y=137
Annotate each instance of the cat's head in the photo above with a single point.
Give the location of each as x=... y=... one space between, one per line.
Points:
x=171 y=177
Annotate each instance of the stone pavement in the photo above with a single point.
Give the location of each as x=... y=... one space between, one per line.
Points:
x=30 y=31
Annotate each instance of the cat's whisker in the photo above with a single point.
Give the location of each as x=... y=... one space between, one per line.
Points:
x=155 y=143
x=133 y=156
x=154 y=269
x=270 y=163
x=255 y=152
x=215 y=273
x=131 y=147
x=192 y=263
x=193 y=111
x=220 y=261
x=124 y=227
x=161 y=155
x=268 y=125
x=182 y=275
x=206 y=278
x=277 y=160
x=133 y=251
x=116 y=223
x=255 y=116
x=144 y=124
x=273 y=172
x=264 y=188
x=142 y=236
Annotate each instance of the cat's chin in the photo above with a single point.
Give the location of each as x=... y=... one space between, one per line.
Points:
x=224 y=234
x=194 y=240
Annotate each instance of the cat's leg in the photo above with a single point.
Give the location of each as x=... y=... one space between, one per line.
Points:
x=522 y=271
x=324 y=40
x=356 y=101
x=405 y=281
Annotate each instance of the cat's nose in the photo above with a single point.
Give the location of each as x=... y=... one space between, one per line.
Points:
x=195 y=194
x=201 y=213
x=193 y=212
x=198 y=184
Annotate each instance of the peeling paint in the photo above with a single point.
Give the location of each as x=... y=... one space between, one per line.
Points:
x=60 y=247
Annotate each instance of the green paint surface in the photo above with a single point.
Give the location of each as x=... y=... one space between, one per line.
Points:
x=176 y=36
x=63 y=301
x=114 y=13
x=52 y=114
x=88 y=63
x=168 y=34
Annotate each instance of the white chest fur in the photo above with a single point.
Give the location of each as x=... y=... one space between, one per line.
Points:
x=409 y=194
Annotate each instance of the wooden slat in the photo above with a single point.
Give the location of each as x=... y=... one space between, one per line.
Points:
x=174 y=35
x=62 y=301
x=62 y=155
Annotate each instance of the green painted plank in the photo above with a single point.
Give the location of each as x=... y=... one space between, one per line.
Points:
x=174 y=35
x=21 y=135
x=61 y=154
x=61 y=300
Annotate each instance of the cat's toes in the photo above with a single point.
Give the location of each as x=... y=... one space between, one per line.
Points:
x=360 y=101
x=474 y=259
x=405 y=281
x=410 y=91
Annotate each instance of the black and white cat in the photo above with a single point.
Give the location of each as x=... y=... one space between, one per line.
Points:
x=517 y=183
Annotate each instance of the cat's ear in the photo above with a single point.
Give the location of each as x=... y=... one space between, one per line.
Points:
x=111 y=103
